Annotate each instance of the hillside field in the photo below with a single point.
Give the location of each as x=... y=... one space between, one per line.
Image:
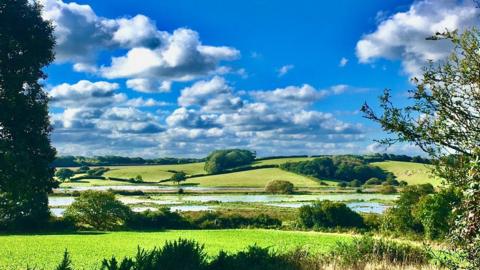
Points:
x=88 y=249
x=412 y=173
x=253 y=178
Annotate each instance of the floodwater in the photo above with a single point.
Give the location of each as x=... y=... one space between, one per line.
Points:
x=362 y=207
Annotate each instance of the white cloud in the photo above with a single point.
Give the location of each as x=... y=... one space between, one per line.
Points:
x=149 y=85
x=153 y=55
x=86 y=94
x=291 y=96
x=181 y=57
x=284 y=70
x=403 y=35
x=214 y=95
x=343 y=62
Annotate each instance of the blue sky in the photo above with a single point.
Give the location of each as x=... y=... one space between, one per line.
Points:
x=181 y=78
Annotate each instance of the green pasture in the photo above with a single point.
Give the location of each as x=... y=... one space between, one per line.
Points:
x=412 y=173
x=88 y=249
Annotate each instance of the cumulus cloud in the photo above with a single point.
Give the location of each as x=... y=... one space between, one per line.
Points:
x=403 y=35
x=290 y=96
x=86 y=94
x=214 y=95
x=343 y=62
x=153 y=59
x=180 y=57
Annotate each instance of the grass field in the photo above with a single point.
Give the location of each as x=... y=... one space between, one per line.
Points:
x=278 y=161
x=154 y=172
x=253 y=178
x=413 y=173
x=87 y=250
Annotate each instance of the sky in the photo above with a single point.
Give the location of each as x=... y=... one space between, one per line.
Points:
x=182 y=78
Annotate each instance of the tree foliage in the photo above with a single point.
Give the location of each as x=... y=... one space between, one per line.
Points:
x=64 y=174
x=178 y=177
x=98 y=210
x=26 y=47
x=328 y=214
x=444 y=121
x=221 y=160
x=343 y=168
x=279 y=187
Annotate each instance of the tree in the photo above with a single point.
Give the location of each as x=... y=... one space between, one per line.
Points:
x=443 y=120
x=26 y=46
x=64 y=174
x=221 y=160
x=328 y=214
x=279 y=187
x=99 y=210
x=178 y=177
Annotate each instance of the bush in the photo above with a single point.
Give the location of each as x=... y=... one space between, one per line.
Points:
x=254 y=258
x=354 y=183
x=98 y=210
x=342 y=184
x=279 y=187
x=155 y=220
x=177 y=255
x=362 y=251
x=97 y=171
x=215 y=220
x=391 y=182
x=388 y=189
x=373 y=181
x=178 y=177
x=137 y=179
x=328 y=214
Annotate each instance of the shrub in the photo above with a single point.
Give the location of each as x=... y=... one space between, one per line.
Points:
x=391 y=182
x=279 y=187
x=136 y=179
x=215 y=220
x=328 y=214
x=154 y=220
x=373 y=181
x=98 y=210
x=177 y=255
x=97 y=171
x=254 y=258
x=342 y=184
x=388 y=189
x=361 y=251
x=354 y=183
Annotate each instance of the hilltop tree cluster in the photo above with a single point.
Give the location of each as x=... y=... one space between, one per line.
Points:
x=221 y=160
x=343 y=168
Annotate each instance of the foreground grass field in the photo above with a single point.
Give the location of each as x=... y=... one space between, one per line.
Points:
x=87 y=250
x=413 y=173
x=253 y=178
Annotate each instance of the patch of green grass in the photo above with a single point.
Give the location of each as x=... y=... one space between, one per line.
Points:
x=87 y=250
x=154 y=173
x=412 y=173
x=94 y=182
x=279 y=161
x=253 y=178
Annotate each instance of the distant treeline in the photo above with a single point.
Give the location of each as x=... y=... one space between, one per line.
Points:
x=77 y=161
x=345 y=168
x=240 y=157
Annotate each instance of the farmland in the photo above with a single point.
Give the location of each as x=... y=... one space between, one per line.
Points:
x=412 y=173
x=87 y=249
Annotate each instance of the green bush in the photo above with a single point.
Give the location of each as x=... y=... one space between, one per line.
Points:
x=328 y=214
x=387 y=189
x=354 y=183
x=155 y=220
x=64 y=174
x=342 y=184
x=361 y=251
x=214 y=220
x=373 y=181
x=254 y=258
x=177 y=255
x=98 y=210
x=279 y=187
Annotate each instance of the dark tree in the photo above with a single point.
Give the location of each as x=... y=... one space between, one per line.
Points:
x=26 y=177
x=444 y=120
x=64 y=174
x=178 y=177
